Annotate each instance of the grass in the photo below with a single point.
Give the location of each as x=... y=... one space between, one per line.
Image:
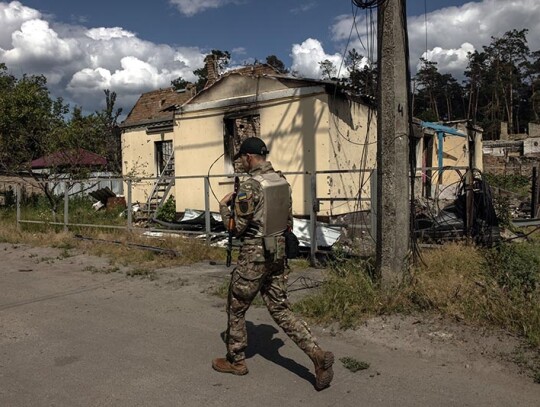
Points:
x=143 y=273
x=353 y=364
x=497 y=287
x=518 y=184
x=114 y=244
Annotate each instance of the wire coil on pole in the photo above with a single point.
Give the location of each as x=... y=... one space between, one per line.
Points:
x=368 y=4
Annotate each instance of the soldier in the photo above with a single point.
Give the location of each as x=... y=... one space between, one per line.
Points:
x=263 y=211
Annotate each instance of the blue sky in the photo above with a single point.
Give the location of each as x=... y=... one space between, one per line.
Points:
x=132 y=47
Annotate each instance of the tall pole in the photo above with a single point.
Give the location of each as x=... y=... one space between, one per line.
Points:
x=393 y=215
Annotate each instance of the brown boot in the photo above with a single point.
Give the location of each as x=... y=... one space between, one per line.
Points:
x=224 y=366
x=324 y=373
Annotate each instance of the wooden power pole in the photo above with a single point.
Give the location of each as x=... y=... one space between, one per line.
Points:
x=393 y=215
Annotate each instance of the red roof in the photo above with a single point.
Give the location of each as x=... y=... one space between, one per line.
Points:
x=78 y=157
x=152 y=106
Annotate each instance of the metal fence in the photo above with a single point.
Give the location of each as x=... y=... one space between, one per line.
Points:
x=69 y=185
x=312 y=194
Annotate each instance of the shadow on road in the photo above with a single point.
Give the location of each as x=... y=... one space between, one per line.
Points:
x=261 y=341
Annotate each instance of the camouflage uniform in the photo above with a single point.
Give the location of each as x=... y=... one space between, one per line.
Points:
x=254 y=273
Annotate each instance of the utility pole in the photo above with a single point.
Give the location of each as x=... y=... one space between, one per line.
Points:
x=393 y=215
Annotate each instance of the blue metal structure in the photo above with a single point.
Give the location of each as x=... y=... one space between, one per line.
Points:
x=441 y=131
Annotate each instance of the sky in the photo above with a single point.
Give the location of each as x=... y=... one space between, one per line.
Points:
x=132 y=47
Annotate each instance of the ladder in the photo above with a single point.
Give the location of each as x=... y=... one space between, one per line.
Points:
x=161 y=188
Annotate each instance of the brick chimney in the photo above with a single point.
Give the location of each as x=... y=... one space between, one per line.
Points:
x=211 y=69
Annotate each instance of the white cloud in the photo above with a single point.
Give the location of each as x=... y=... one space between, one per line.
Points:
x=452 y=32
x=35 y=41
x=303 y=8
x=12 y=16
x=103 y=33
x=80 y=62
x=239 y=51
x=306 y=58
x=192 y=7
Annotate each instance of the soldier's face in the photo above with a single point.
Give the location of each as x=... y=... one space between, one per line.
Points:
x=245 y=160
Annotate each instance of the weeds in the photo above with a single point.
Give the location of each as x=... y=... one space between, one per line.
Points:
x=111 y=246
x=347 y=296
x=143 y=273
x=518 y=184
x=107 y=270
x=353 y=365
x=484 y=286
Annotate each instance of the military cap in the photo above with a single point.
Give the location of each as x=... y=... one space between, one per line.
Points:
x=252 y=145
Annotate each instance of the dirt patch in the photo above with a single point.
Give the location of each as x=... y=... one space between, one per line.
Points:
x=428 y=336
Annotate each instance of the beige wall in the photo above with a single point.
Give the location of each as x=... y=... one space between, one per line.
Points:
x=455 y=154
x=301 y=133
x=290 y=129
x=352 y=144
x=139 y=160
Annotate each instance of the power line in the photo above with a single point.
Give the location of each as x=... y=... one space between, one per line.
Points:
x=368 y=4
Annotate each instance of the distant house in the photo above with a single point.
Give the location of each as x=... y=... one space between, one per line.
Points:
x=86 y=167
x=70 y=159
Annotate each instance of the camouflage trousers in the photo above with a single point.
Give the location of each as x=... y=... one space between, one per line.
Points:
x=270 y=279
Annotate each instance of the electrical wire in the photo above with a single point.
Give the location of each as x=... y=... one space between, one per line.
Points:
x=209 y=169
x=306 y=283
x=426 y=25
x=368 y=4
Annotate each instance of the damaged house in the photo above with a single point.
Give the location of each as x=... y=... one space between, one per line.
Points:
x=309 y=126
x=443 y=153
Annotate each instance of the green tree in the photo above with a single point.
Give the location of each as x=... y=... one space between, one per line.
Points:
x=437 y=96
x=533 y=76
x=111 y=134
x=362 y=76
x=500 y=83
x=179 y=83
x=31 y=125
x=276 y=63
x=222 y=57
x=328 y=69
x=509 y=56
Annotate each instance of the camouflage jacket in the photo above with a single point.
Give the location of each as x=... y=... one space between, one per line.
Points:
x=248 y=206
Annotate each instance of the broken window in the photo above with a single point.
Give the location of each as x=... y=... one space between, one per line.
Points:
x=236 y=129
x=164 y=151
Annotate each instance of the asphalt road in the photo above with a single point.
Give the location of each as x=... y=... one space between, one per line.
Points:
x=70 y=337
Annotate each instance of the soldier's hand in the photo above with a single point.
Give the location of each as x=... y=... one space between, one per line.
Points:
x=226 y=200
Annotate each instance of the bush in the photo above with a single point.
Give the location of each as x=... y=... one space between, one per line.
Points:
x=511 y=182
x=347 y=295
x=515 y=266
x=499 y=287
x=167 y=212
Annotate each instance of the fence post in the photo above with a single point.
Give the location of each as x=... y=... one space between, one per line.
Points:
x=469 y=204
x=534 y=193
x=129 y=209
x=66 y=206
x=18 y=204
x=313 y=219
x=373 y=203
x=207 y=208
